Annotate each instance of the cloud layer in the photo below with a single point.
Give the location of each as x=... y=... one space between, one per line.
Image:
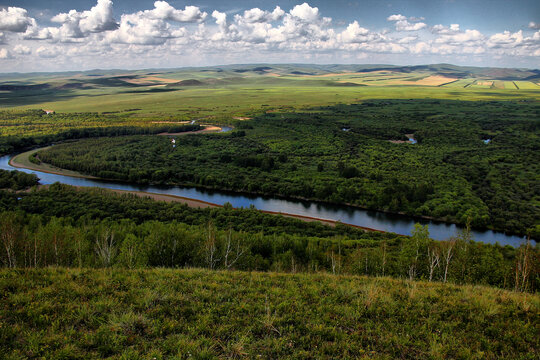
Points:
x=167 y=36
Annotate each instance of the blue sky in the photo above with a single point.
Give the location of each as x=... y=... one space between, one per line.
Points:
x=86 y=34
x=484 y=15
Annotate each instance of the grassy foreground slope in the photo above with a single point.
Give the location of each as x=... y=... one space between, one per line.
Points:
x=58 y=313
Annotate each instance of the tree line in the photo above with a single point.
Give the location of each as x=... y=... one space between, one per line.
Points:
x=70 y=234
x=22 y=130
x=17 y=180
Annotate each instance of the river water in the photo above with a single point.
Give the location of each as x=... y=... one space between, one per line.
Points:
x=346 y=214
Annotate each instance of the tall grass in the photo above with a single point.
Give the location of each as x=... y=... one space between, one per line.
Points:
x=59 y=313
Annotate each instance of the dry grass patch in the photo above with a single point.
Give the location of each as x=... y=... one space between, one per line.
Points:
x=435 y=80
x=485 y=83
x=171 y=122
x=150 y=80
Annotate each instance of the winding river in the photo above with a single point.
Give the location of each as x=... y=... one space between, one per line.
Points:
x=346 y=214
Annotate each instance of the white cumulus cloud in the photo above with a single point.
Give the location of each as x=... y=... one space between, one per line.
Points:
x=459 y=38
x=162 y=10
x=75 y=25
x=14 y=19
x=78 y=24
x=305 y=12
x=534 y=25
x=506 y=39
x=257 y=15
x=354 y=33
x=142 y=30
x=5 y=54
x=403 y=23
x=99 y=18
x=397 y=17
x=22 y=50
x=441 y=29
x=166 y=36
x=48 y=52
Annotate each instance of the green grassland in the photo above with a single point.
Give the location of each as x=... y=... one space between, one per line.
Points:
x=200 y=314
x=35 y=123
x=222 y=93
x=527 y=85
x=462 y=83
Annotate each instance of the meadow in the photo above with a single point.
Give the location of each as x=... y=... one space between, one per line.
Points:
x=59 y=313
x=222 y=93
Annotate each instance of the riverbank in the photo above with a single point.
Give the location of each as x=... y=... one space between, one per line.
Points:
x=207 y=129
x=22 y=161
x=204 y=204
x=327 y=213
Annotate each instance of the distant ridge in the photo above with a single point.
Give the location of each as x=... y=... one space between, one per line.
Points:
x=307 y=70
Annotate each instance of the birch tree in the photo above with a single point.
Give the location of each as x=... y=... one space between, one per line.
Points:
x=434 y=258
x=9 y=233
x=447 y=253
x=210 y=247
x=105 y=247
x=233 y=251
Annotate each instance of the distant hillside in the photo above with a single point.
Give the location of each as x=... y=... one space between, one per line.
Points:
x=279 y=74
x=306 y=69
x=265 y=85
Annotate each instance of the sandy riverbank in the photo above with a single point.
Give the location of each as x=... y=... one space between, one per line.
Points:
x=168 y=198
x=203 y=204
x=207 y=129
x=22 y=161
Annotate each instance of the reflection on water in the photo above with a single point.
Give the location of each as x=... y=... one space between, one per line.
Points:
x=346 y=214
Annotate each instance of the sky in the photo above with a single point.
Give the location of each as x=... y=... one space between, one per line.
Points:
x=54 y=35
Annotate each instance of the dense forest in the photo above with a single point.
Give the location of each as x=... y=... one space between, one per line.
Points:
x=65 y=226
x=473 y=161
x=17 y=180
